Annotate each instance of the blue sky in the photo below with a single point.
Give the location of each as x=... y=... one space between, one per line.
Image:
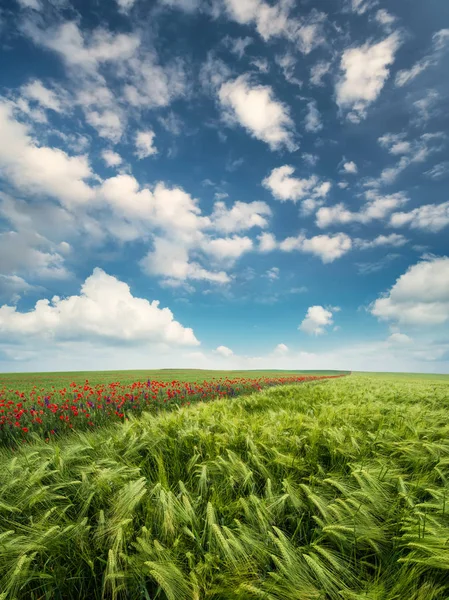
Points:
x=224 y=184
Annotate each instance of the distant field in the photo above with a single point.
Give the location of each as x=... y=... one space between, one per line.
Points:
x=402 y=376
x=23 y=381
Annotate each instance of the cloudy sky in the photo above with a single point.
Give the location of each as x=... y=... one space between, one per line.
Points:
x=224 y=184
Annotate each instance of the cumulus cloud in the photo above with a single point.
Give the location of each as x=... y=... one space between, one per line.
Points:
x=32 y=254
x=312 y=122
x=318 y=71
x=227 y=249
x=105 y=309
x=35 y=90
x=171 y=260
x=13 y=287
x=224 y=351
x=419 y=297
x=272 y=274
x=255 y=108
x=88 y=56
x=364 y=71
x=111 y=158
x=276 y=21
x=128 y=212
x=284 y=186
x=267 y=242
x=428 y=217
x=125 y=5
x=41 y=169
x=288 y=64
x=81 y=50
x=409 y=151
x=399 y=339
x=326 y=247
x=240 y=216
x=145 y=144
x=394 y=239
x=316 y=320
x=377 y=207
x=361 y=6
x=385 y=18
x=350 y=167
x=281 y=350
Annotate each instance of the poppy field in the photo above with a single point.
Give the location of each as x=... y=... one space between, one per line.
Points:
x=328 y=489
x=80 y=405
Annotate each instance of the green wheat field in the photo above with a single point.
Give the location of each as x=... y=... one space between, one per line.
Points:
x=327 y=490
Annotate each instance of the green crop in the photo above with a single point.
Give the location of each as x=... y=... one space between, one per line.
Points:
x=328 y=490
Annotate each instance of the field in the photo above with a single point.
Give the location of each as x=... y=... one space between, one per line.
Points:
x=25 y=381
x=323 y=490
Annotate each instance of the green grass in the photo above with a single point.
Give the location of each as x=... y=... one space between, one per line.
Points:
x=23 y=381
x=329 y=490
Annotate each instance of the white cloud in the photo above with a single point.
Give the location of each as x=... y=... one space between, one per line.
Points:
x=406 y=75
x=41 y=169
x=240 y=216
x=87 y=52
x=170 y=260
x=267 y=242
x=377 y=207
x=410 y=152
x=185 y=5
x=224 y=351
x=326 y=247
x=440 y=41
x=429 y=217
x=35 y=90
x=261 y=64
x=272 y=274
x=364 y=72
x=318 y=71
x=12 y=287
x=419 y=297
x=438 y=171
x=426 y=107
x=32 y=254
x=239 y=45
x=111 y=158
x=398 y=339
x=361 y=6
x=288 y=63
x=151 y=85
x=316 y=320
x=104 y=309
x=144 y=144
x=125 y=5
x=227 y=249
x=310 y=159
x=350 y=167
x=108 y=123
x=393 y=239
x=276 y=21
x=281 y=350
x=285 y=187
x=385 y=18
x=34 y=4
x=312 y=121
x=256 y=109
x=214 y=72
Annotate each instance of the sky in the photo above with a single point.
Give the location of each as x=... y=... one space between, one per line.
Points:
x=224 y=184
